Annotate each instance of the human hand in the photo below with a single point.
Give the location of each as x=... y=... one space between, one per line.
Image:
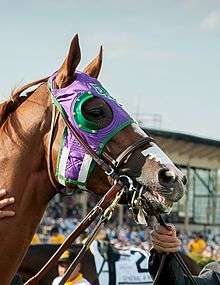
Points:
x=165 y=240
x=5 y=202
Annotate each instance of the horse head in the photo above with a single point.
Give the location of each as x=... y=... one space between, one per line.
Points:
x=39 y=152
x=109 y=130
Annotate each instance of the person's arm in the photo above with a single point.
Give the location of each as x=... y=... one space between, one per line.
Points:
x=5 y=202
x=165 y=242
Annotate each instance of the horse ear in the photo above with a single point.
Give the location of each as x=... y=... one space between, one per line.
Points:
x=66 y=73
x=94 y=67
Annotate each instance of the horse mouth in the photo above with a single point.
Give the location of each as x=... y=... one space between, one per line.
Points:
x=150 y=203
x=154 y=203
x=157 y=198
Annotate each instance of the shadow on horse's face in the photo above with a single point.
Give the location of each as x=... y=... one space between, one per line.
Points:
x=161 y=183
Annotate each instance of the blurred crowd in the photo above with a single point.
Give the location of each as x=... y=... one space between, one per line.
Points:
x=64 y=213
x=203 y=247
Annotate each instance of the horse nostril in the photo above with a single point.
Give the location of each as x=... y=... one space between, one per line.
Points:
x=184 y=180
x=166 y=177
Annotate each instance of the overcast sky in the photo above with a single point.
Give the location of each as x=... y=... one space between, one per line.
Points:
x=160 y=56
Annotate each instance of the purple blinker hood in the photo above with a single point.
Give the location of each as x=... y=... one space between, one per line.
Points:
x=74 y=165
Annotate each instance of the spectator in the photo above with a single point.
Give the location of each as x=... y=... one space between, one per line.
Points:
x=76 y=278
x=197 y=245
x=56 y=237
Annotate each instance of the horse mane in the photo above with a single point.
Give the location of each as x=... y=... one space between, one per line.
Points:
x=9 y=106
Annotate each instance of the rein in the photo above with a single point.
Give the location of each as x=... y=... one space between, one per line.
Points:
x=109 y=166
x=105 y=206
x=104 y=218
x=100 y=208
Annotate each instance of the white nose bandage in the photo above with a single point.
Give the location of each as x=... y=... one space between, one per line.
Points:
x=154 y=152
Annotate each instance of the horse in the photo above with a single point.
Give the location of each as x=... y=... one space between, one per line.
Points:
x=31 y=135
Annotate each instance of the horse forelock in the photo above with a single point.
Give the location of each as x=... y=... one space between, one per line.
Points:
x=10 y=105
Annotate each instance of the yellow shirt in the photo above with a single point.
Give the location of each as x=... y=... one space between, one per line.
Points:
x=35 y=239
x=56 y=239
x=197 y=246
x=78 y=279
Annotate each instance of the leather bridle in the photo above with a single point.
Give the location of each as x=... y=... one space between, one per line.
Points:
x=105 y=206
x=108 y=164
x=54 y=118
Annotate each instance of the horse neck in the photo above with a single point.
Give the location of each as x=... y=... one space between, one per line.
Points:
x=23 y=172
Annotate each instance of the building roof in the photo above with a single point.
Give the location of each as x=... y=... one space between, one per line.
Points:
x=186 y=149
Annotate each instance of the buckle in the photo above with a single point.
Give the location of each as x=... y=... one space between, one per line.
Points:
x=110 y=171
x=130 y=182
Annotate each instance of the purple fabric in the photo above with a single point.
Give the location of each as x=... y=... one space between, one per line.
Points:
x=65 y=99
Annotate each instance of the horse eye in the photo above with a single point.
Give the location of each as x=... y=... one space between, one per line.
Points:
x=96 y=112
